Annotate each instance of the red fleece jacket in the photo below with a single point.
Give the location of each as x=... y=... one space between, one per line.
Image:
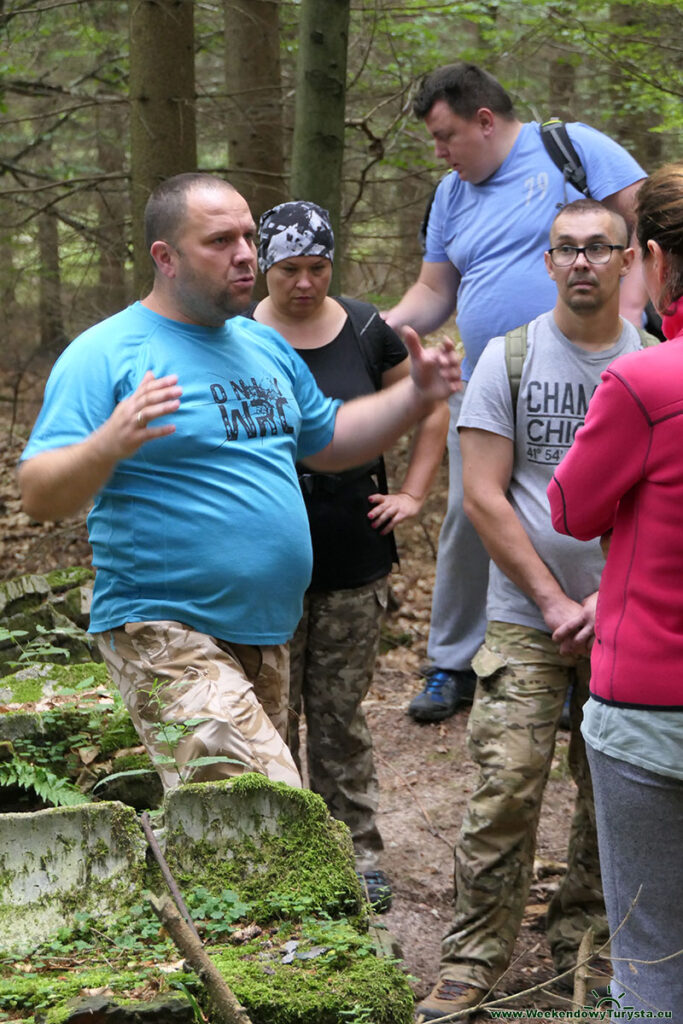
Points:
x=624 y=473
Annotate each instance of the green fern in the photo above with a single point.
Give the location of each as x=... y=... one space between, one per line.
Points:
x=48 y=786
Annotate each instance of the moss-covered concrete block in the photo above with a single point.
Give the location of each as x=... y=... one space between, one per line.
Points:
x=37 y=682
x=22 y=593
x=58 y=602
x=57 y=862
x=277 y=847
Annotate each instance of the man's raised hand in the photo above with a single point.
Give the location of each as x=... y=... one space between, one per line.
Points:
x=435 y=371
x=131 y=423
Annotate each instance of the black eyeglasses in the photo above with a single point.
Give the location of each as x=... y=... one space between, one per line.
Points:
x=596 y=252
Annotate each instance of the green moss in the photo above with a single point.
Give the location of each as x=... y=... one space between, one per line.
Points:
x=132 y=762
x=64 y=579
x=51 y=990
x=325 y=989
x=306 y=868
x=66 y=677
x=24 y=691
x=62 y=677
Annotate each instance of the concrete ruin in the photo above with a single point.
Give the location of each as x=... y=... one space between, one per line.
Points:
x=267 y=873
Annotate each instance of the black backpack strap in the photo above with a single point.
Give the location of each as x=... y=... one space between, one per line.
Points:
x=515 y=354
x=368 y=328
x=561 y=151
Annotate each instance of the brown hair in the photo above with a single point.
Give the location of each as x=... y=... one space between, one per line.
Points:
x=166 y=206
x=465 y=88
x=588 y=206
x=660 y=218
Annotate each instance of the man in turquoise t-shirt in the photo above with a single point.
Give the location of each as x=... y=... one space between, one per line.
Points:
x=486 y=235
x=185 y=430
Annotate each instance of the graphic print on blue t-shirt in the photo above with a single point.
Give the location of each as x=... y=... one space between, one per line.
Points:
x=254 y=409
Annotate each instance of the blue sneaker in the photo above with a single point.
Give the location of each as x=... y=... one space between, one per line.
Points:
x=445 y=691
x=377 y=888
x=566 y=717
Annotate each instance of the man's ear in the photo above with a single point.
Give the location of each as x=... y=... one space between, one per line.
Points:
x=627 y=258
x=549 y=266
x=164 y=256
x=486 y=120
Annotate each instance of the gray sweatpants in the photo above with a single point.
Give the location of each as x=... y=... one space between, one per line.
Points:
x=458 y=619
x=640 y=836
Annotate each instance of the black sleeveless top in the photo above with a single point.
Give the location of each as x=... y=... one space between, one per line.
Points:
x=347 y=551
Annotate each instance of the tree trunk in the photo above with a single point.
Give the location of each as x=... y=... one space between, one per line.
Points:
x=254 y=109
x=562 y=89
x=162 y=116
x=112 y=205
x=318 y=148
x=52 y=333
x=633 y=125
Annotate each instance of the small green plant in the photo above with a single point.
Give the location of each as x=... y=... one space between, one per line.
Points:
x=171 y=734
x=357 y=1014
x=48 y=786
x=213 y=915
x=41 y=648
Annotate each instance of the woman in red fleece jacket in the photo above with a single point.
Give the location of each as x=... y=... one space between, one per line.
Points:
x=623 y=477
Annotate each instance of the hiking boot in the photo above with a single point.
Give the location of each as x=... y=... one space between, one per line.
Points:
x=446 y=997
x=377 y=887
x=445 y=691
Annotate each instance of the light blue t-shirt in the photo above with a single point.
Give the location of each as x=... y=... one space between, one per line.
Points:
x=206 y=526
x=495 y=233
x=650 y=739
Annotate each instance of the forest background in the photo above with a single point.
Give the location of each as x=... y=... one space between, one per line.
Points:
x=100 y=99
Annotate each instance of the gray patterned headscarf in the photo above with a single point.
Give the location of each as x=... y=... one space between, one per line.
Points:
x=294 y=229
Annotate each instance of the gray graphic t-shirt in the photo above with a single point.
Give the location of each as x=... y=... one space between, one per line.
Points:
x=558 y=380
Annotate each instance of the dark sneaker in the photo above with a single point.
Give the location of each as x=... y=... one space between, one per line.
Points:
x=446 y=997
x=565 y=721
x=445 y=691
x=377 y=887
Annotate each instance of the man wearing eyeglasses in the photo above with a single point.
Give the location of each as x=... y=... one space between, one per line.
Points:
x=540 y=609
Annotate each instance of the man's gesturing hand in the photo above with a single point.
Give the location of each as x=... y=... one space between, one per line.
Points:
x=130 y=424
x=435 y=371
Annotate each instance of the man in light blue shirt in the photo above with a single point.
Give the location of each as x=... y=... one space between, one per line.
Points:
x=486 y=235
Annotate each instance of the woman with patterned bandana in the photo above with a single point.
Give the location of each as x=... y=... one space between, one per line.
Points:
x=350 y=351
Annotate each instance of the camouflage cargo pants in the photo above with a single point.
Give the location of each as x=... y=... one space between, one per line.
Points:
x=333 y=654
x=521 y=687
x=194 y=700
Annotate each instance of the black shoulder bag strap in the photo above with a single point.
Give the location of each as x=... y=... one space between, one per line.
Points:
x=561 y=151
x=368 y=329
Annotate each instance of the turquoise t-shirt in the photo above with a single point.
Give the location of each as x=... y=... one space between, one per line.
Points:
x=206 y=526
x=495 y=233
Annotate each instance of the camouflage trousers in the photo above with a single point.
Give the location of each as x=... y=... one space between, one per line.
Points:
x=204 y=709
x=521 y=688
x=333 y=654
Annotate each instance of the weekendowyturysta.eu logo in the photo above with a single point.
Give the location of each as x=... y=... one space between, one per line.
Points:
x=605 y=1008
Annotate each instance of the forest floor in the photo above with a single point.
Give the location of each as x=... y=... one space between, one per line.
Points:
x=425 y=774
